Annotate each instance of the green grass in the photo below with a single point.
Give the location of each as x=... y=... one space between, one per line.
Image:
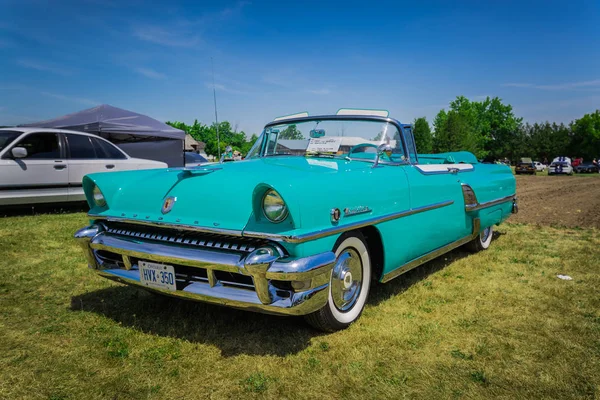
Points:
x=494 y=324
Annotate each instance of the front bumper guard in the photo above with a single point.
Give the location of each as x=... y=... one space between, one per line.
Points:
x=309 y=274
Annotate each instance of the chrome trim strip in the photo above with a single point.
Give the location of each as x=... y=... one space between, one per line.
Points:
x=285 y=238
x=450 y=170
x=433 y=254
x=183 y=227
x=479 y=206
x=347 y=227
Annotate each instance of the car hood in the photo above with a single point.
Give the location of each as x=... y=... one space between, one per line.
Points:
x=223 y=196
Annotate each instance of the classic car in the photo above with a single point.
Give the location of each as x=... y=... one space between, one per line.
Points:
x=295 y=234
x=39 y=165
x=560 y=166
x=586 y=168
x=525 y=168
x=539 y=166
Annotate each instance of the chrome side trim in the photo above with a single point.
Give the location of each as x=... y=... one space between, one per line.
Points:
x=347 y=227
x=183 y=227
x=433 y=254
x=479 y=206
x=284 y=238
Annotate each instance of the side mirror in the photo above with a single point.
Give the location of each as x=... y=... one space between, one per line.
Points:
x=19 y=152
x=382 y=149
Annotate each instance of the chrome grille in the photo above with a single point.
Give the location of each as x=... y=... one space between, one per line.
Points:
x=169 y=235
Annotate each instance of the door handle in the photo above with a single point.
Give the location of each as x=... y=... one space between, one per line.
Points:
x=110 y=166
x=59 y=167
x=453 y=170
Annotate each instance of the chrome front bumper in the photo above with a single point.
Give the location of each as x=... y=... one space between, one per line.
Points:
x=280 y=284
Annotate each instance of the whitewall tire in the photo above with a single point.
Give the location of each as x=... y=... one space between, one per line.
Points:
x=348 y=286
x=482 y=241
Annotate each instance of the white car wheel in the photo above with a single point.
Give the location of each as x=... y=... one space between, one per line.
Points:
x=348 y=286
x=482 y=241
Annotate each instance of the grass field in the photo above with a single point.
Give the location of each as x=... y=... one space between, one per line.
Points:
x=497 y=324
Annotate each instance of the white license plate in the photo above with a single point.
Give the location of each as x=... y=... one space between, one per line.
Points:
x=158 y=276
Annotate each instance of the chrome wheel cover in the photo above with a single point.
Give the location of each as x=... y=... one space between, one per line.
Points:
x=485 y=234
x=346 y=279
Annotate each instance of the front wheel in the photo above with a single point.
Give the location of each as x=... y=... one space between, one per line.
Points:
x=348 y=286
x=482 y=241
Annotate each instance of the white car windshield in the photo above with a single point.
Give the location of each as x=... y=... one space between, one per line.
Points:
x=7 y=137
x=357 y=139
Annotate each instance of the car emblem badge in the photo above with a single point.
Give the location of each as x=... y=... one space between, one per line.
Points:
x=168 y=204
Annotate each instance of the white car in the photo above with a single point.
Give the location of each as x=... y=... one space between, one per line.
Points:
x=539 y=166
x=560 y=165
x=40 y=165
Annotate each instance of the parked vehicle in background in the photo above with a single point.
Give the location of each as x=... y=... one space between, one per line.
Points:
x=47 y=165
x=525 y=168
x=560 y=166
x=576 y=162
x=586 y=168
x=193 y=159
x=539 y=166
x=301 y=234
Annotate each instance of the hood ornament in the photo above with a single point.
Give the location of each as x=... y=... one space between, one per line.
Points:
x=168 y=204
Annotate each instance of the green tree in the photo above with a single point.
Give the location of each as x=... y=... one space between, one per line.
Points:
x=585 y=139
x=423 y=135
x=291 y=132
x=208 y=135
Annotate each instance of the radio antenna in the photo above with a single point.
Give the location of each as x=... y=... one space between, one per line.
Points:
x=216 y=115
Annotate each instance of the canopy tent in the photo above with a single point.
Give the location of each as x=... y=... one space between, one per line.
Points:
x=138 y=135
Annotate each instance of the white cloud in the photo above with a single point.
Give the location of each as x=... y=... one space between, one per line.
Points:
x=40 y=66
x=72 y=99
x=150 y=73
x=158 y=35
x=561 y=86
x=320 y=92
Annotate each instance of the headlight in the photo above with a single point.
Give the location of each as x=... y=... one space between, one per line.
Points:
x=99 y=197
x=274 y=207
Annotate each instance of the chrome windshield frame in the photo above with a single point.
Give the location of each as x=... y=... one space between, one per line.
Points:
x=371 y=118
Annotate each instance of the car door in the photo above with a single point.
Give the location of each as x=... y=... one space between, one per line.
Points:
x=82 y=160
x=39 y=177
x=110 y=157
x=436 y=189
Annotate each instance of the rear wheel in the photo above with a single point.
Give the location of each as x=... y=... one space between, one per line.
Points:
x=482 y=241
x=348 y=286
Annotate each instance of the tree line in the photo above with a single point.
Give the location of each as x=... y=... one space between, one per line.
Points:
x=228 y=136
x=490 y=130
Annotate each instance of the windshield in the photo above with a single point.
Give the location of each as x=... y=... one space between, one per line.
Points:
x=343 y=138
x=6 y=138
x=191 y=157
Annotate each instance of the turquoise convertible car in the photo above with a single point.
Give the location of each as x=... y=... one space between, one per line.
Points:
x=301 y=226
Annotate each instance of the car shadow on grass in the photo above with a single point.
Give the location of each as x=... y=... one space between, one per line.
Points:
x=381 y=292
x=233 y=331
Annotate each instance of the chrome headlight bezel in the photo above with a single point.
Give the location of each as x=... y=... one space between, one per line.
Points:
x=98 y=197
x=276 y=211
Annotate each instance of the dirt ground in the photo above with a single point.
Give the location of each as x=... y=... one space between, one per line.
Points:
x=570 y=201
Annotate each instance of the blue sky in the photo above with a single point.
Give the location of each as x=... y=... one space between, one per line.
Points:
x=276 y=58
